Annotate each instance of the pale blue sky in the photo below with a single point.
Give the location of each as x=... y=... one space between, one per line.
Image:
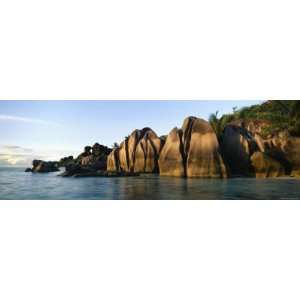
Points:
x=52 y=129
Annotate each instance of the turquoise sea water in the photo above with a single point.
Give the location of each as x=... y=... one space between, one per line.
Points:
x=16 y=184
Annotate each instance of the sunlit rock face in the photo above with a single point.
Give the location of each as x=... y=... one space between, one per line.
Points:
x=113 y=161
x=147 y=153
x=123 y=156
x=140 y=156
x=202 y=150
x=265 y=166
x=138 y=153
x=131 y=147
x=171 y=160
x=192 y=151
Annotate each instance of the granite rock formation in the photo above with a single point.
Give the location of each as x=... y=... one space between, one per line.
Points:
x=237 y=145
x=265 y=166
x=138 y=153
x=90 y=161
x=247 y=152
x=40 y=166
x=171 y=160
x=192 y=151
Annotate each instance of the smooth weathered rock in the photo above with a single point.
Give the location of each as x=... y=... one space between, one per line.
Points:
x=202 y=149
x=137 y=153
x=192 y=151
x=140 y=156
x=147 y=153
x=131 y=147
x=113 y=161
x=171 y=160
x=264 y=166
x=123 y=156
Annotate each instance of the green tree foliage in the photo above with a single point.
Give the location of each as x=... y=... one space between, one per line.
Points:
x=218 y=124
x=282 y=115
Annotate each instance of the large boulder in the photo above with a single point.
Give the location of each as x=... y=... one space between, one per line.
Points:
x=201 y=147
x=265 y=166
x=113 y=161
x=137 y=153
x=132 y=143
x=171 y=160
x=123 y=156
x=147 y=153
x=40 y=166
x=237 y=146
x=140 y=156
x=192 y=151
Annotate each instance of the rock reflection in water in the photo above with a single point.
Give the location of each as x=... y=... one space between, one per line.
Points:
x=15 y=184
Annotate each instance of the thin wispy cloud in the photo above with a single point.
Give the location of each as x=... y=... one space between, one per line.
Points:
x=11 y=118
x=14 y=148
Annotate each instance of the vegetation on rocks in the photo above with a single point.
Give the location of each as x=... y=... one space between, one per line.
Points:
x=278 y=116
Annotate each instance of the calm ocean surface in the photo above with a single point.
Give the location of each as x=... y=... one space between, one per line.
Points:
x=16 y=184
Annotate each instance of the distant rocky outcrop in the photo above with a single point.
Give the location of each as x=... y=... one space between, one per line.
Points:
x=90 y=161
x=40 y=166
x=138 y=153
x=192 y=151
